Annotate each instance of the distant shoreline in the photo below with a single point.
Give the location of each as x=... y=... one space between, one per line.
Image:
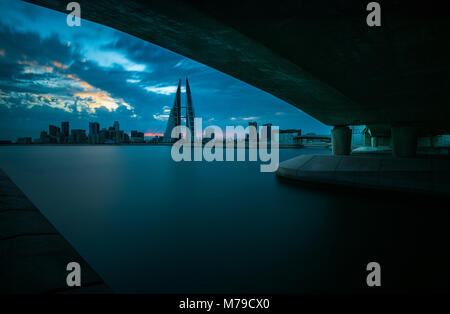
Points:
x=134 y=144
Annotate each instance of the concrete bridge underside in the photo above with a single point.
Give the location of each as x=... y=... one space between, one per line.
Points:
x=319 y=56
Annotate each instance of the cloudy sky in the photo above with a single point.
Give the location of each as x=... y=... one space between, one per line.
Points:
x=50 y=72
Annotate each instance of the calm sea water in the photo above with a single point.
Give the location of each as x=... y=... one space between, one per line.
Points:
x=148 y=224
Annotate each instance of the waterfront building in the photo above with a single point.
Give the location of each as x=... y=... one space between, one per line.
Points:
x=44 y=138
x=94 y=133
x=54 y=133
x=269 y=131
x=156 y=139
x=103 y=135
x=78 y=136
x=287 y=136
x=65 y=132
x=175 y=117
x=24 y=140
x=111 y=134
x=117 y=135
x=254 y=124
x=137 y=137
x=190 y=116
x=124 y=138
x=313 y=139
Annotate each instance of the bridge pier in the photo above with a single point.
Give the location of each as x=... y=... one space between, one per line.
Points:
x=404 y=141
x=341 y=138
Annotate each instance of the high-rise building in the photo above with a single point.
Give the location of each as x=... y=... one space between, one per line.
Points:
x=190 y=116
x=250 y=124
x=137 y=137
x=44 y=138
x=117 y=135
x=134 y=133
x=94 y=133
x=65 y=131
x=65 y=128
x=94 y=127
x=103 y=136
x=78 y=137
x=125 y=137
x=174 y=117
x=175 y=114
x=54 y=133
x=269 y=131
x=53 y=130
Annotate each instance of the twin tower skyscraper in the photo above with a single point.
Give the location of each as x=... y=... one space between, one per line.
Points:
x=175 y=114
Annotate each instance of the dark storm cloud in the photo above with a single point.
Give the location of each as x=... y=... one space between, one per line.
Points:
x=19 y=44
x=28 y=71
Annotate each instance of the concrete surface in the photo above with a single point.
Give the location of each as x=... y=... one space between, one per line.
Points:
x=33 y=254
x=427 y=175
x=341 y=138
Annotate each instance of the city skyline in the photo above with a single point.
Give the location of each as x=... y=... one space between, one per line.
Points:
x=51 y=72
x=94 y=134
x=114 y=135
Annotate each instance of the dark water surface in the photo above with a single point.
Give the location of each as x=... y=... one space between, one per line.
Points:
x=148 y=224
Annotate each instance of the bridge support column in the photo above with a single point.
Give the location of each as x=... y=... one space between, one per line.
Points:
x=404 y=141
x=341 y=139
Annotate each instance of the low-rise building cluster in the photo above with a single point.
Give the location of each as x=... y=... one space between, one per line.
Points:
x=63 y=135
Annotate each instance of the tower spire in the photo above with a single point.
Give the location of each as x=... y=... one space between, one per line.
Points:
x=189 y=110
x=175 y=115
